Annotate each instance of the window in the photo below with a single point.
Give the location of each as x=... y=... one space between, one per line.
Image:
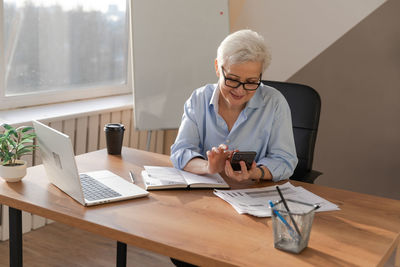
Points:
x=58 y=50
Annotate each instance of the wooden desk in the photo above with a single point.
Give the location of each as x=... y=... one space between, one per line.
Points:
x=198 y=227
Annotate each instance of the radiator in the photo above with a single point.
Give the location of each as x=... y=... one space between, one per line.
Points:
x=87 y=134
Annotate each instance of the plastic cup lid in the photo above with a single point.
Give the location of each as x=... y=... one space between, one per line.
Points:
x=114 y=127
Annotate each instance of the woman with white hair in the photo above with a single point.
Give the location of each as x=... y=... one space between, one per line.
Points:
x=237 y=113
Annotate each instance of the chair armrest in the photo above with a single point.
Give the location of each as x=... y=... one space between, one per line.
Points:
x=308 y=177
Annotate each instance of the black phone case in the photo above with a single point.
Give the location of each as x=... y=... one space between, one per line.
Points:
x=246 y=156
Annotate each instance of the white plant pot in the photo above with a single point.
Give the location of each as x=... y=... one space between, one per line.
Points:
x=13 y=173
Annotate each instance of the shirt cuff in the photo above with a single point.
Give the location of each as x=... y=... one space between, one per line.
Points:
x=278 y=169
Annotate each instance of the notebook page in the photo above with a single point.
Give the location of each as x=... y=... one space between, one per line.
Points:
x=169 y=174
x=207 y=179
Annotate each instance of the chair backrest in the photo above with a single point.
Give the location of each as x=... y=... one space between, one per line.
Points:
x=305 y=106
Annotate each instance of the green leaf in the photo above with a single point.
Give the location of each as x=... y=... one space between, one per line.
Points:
x=26 y=141
x=28 y=147
x=24 y=151
x=16 y=142
x=4 y=144
x=27 y=128
x=13 y=132
x=12 y=143
x=7 y=127
x=21 y=146
x=7 y=158
x=7 y=134
x=30 y=136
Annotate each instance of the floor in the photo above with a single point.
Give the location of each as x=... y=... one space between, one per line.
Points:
x=57 y=244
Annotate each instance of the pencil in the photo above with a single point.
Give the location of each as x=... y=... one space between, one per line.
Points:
x=287 y=208
x=290 y=229
x=132 y=177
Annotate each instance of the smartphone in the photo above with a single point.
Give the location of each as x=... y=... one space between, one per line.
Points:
x=246 y=156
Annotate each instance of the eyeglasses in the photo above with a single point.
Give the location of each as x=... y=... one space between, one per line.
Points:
x=235 y=83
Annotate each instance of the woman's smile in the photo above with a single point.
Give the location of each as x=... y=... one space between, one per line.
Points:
x=236 y=96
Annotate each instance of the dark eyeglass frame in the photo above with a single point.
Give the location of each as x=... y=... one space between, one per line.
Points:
x=239 y=83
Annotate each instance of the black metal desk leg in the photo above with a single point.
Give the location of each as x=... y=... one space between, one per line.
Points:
x=15 y=229
x=121 y=254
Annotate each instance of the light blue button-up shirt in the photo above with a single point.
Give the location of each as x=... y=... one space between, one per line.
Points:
x=264 y=126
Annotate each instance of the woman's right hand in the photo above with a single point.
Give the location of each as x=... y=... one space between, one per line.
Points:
x=217 y=157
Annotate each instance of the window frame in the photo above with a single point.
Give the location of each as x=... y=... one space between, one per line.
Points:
x=57 y=96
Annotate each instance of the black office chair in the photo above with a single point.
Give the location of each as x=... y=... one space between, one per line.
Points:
x=305 y=105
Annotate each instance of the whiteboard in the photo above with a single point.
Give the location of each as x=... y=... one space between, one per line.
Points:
x=174 y=46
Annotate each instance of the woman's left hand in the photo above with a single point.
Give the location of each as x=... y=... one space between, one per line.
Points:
x=242 y=175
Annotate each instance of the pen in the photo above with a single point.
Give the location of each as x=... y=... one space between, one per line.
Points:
x=132 y=177
x=287 y=208
x=290 y=229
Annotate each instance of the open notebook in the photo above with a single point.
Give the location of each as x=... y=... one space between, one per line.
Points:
x=156 y=177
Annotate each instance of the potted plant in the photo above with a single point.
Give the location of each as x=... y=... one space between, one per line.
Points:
x=14 y=143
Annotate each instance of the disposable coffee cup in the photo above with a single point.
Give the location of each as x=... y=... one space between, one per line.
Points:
x=114 y=136
x=292 y=229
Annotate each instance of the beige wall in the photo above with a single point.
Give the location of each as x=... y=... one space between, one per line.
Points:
x=358 y=78
x=298 y=31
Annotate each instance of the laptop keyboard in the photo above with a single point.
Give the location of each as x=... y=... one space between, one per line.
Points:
x=94 y=190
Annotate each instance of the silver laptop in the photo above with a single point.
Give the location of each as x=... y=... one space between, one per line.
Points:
x=90 y=188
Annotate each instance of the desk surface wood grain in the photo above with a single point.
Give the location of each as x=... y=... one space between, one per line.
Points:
x=198 y=227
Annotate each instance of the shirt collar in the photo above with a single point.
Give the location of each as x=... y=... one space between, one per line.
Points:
x=215 y=97
x=257 y=100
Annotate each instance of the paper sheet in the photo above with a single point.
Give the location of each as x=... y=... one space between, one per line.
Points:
x=255 y=201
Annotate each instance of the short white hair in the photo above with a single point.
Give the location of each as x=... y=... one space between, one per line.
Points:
x=243 y=46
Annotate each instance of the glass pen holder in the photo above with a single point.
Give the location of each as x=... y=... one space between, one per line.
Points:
x=292 y=229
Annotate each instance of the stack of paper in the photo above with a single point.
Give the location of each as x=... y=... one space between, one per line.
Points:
x=255 y=201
